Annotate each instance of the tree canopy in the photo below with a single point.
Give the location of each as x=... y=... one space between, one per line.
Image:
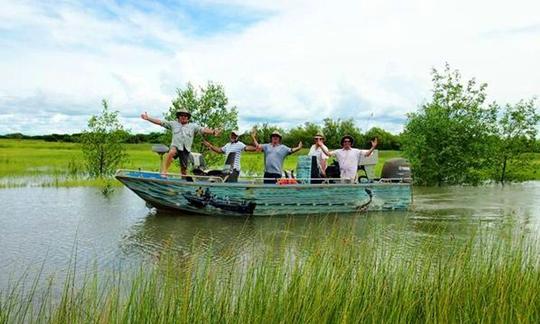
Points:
x=102 y=143
x=456 y=138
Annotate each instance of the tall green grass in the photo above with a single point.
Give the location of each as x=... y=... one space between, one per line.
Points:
x=34 y=162
x=327 y=275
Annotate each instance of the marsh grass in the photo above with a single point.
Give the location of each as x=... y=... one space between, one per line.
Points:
x=326 y=275
x=39 y=163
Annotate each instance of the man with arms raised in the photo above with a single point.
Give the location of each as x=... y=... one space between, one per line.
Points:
x=274 y=155
x=348 y=157
x=234 y=146
x=182 y=137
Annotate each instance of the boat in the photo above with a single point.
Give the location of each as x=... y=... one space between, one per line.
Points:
x=210 y=195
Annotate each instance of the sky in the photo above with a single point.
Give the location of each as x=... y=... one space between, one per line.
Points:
x=281 y=62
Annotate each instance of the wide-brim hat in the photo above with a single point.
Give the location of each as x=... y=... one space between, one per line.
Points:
x=349 y=137
x=276 y=133
x=321 y=135
x=182 y=111
x=235 y=132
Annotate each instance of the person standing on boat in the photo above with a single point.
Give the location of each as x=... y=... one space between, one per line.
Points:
x=234 y=146
x=316 y=151
x=182 y=137
x=349 y=157
x=274 y=155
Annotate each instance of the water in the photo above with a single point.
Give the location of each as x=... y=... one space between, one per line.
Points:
x=44 y=229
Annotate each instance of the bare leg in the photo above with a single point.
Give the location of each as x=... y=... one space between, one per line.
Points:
x=168 y=160
x=183 y=170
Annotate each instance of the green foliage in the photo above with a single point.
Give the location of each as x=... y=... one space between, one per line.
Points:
x=448 y=141
x=334 y=130
x=387 y=141
x=209 y=108
x=303 y=133
x=102 y=143
x=517 y=136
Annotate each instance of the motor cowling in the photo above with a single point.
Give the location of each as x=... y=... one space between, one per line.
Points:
x=397 y=169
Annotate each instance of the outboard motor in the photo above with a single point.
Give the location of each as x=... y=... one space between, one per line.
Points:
x=396 y=170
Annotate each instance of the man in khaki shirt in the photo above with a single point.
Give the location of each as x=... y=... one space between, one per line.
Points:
x=183 y=133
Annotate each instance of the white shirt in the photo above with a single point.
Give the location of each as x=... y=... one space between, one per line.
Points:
x=318 y=152
x=348 y=161
x=237 y=148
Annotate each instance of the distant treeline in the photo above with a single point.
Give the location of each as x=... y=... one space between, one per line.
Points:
x=154 y=137
x=332 y=129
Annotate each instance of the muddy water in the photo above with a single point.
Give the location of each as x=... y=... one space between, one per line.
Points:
x=43 y=229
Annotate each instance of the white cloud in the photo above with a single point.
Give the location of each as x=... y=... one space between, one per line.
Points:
x=307 y=60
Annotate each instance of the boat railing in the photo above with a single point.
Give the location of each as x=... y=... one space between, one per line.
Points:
x=259 y=180
x=169 y=176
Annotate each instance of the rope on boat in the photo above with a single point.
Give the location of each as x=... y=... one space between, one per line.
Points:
x=364 y=206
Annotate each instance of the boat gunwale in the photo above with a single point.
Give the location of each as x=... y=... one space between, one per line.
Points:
x=179 y=181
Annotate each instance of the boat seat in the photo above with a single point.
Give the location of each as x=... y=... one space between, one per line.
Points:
x=226 y=173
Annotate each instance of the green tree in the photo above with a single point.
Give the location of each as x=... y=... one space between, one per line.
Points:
x=447 y=140
x=102 y=143
x=334 y=130
x=209 y=108
x=303 y=133
x=517 y=136
x=387 y=141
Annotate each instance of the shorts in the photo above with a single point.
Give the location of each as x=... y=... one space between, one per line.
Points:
x=183 y=157
x=271 y=177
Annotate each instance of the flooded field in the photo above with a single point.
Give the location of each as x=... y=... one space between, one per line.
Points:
x=43 y=229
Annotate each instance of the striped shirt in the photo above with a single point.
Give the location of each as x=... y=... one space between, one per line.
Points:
x=237 y=148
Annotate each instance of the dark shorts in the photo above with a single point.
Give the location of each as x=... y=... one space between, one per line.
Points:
x=183 y=157
x=233 y=177
x=271 y=177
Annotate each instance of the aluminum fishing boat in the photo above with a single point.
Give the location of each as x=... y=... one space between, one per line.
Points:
x=213 y=195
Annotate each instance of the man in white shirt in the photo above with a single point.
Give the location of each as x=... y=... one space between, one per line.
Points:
x=234 y=146
x=182 y=137
x=349 y=157
x=315 y=150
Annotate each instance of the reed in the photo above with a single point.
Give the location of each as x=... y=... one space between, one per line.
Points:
x=325 y=275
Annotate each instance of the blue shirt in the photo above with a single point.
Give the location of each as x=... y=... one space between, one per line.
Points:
x=274 y=157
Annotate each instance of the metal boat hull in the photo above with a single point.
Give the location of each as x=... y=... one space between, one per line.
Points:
x=248 y=198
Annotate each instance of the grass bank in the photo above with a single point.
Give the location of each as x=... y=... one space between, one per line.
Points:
x=61 y=164
x=328 y=275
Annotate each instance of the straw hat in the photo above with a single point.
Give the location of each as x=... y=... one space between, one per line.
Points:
x=183 y=111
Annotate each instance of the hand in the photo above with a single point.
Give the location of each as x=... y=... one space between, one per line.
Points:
x=145 y=116
x=217 y=132
x=374 y=142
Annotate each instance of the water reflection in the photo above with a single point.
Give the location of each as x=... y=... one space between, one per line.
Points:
x=45 y=224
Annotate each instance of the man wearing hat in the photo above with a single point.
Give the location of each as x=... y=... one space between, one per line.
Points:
x=274 y=155
x=234 y=146
x=349 y=157
x=316 y=151
x=182 y=137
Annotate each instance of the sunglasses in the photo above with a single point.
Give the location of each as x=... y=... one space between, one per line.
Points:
x=346 y=141
x=317 y=138
x=183 y=115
